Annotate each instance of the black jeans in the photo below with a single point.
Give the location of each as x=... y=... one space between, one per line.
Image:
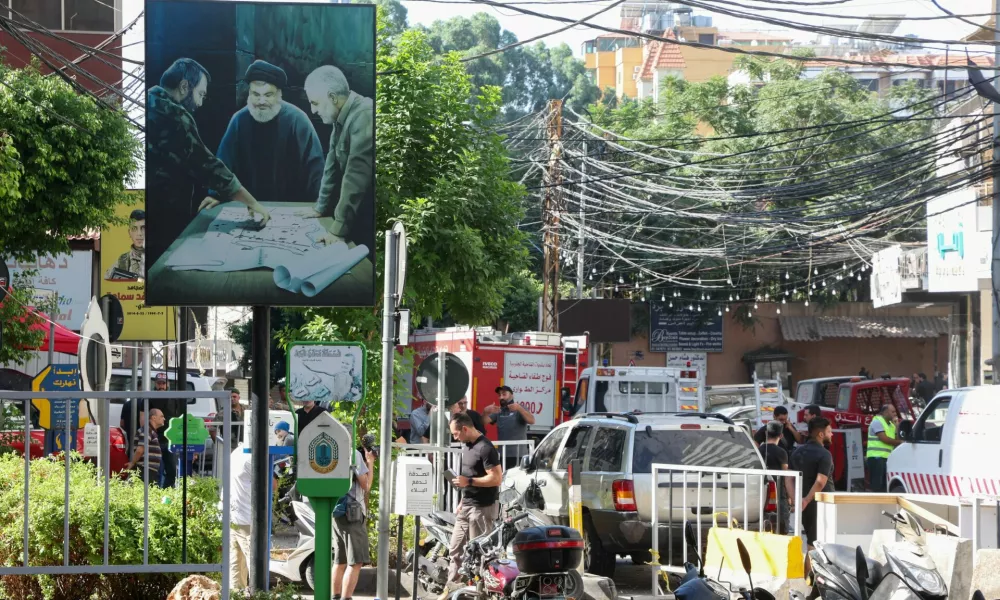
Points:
x=877 y=474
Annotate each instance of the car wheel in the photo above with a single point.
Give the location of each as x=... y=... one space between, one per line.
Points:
x=595 y=559
x=309 y=574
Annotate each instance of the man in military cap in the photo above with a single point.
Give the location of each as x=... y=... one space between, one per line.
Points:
x=270 y=144
x=178 y=163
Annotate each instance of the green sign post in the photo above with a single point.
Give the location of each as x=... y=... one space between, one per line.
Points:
x=324 y=450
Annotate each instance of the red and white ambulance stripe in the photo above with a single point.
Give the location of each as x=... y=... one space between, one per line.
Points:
x=947 y=485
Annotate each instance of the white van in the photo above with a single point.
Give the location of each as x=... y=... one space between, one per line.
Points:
x=642 y=389
x=947 y=451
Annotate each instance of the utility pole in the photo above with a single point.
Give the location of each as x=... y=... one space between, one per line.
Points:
x=551 y=207
x=579 y=237
x=996 y=204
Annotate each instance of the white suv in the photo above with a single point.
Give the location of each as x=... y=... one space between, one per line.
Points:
x=616 y=453
x=204 y=408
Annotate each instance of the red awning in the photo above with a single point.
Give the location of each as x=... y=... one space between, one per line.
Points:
x=67 y=342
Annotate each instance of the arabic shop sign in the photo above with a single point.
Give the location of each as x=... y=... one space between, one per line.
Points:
x=52 y=413
x=68 y=275
x=679 y=330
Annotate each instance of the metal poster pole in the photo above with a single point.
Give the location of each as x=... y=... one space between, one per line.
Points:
x=388 y=356
x=260 y=460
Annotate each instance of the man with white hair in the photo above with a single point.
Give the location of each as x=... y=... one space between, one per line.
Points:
x=270 y=144
x=347 y=190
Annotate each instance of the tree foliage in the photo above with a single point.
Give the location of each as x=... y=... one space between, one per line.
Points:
x=65 y=162
x=780 y=132
x=528 y=75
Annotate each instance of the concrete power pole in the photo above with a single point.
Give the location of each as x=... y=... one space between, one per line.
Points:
x=583 y=215
x=551 y=208
x=996 y=204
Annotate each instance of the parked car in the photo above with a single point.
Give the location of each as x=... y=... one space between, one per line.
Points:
x=117 y=458
x=946 y=451
x=616 y=452
x=858 y=401
x=204 y=408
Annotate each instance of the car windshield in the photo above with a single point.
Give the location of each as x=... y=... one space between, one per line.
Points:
x=693 y=447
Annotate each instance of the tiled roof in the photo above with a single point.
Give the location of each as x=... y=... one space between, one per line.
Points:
x=814 y=329
x=956 y=60
x=660 y=55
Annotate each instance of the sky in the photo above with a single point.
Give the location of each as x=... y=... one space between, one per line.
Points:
x=525 y=26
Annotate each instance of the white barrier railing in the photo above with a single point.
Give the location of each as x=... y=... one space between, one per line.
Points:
x=684 y=471
x=108 y=567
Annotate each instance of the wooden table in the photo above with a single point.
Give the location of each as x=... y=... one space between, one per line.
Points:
x=166 y=286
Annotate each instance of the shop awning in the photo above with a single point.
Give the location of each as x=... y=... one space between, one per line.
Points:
x=814 y=329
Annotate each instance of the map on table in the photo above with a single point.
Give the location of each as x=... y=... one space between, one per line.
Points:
x=325 y=373
x=289 y=244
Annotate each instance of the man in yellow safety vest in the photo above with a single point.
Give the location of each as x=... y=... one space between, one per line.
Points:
x=881 y=441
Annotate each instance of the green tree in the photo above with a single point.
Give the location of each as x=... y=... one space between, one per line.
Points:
x=65 y=163
x=528 y=75
x=780 y=132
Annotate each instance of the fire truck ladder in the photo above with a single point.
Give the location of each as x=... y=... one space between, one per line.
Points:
x=768 y=394
x=570 y=365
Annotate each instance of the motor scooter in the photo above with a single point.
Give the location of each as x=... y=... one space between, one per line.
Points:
x=839 y=571
x=298 y=567
x=432 y=559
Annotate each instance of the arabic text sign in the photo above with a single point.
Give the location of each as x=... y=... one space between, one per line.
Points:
x=683 y=331
x=122 y=252
x=887 y=282
x=414 y=491
x=325 y=372
x=683 y=360
x=52 y=413
x=533 y=379
x=65 y=274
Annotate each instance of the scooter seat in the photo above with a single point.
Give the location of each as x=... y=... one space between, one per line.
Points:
x=447 y=517
x=843 y=557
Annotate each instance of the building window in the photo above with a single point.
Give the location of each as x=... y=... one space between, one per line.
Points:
x=870 y=84
x=66 y=15
x=47 y=13
x=706 y=38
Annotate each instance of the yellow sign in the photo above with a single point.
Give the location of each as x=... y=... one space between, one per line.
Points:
x=52 y=413
x=123 y=265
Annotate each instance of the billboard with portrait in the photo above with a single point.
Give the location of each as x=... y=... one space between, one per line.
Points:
x=123 y=274
x=260 y=153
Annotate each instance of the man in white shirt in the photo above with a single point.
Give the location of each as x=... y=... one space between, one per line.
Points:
x=240 y=486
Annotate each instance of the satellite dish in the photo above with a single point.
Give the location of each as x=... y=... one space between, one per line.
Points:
x=114 y=316
x=456 y=376
x=94 y=355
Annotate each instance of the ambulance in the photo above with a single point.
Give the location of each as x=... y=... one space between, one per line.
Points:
x=640 y=389
x=948 y=451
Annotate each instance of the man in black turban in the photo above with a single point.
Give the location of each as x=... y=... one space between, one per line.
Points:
x=270 y=144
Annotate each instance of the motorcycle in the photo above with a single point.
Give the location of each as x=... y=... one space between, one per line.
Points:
x=432 y=554
x=493 y=576
x=908 y=573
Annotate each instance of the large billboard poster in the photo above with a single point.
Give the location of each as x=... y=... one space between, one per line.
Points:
x=123 y=268
x=65 y=275
x=260 y=153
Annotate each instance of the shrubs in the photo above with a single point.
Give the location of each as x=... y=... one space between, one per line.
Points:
x=87 y=530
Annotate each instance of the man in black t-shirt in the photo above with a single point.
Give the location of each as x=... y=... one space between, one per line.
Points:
x=305 y=415
x=815 y=463
x=790 y=436
x=479 y=479
x=462 y=406
x=776 y=459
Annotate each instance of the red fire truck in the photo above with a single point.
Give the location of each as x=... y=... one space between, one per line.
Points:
x=536 y=365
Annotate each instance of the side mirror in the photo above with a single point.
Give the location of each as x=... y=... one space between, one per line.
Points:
x=526 y=462
x=861 y=569
x=905 y=430
x=566 y=400
x=744 y=555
